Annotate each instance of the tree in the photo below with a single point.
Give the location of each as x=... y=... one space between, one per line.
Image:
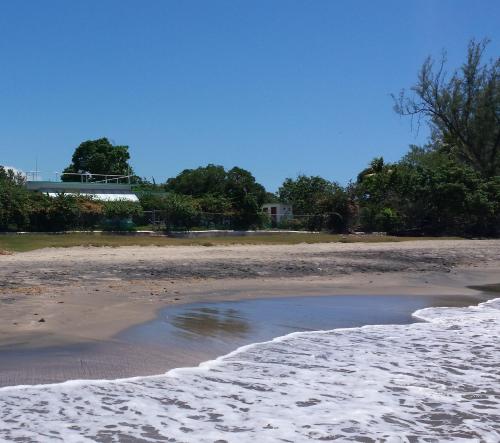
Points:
x=14 y=201
x=379 y=192
x=246 y=197
x=463 y=111
x=210 y=179
x=440 y=195
x=428 y=192
x=181 y=211
x=222 y=194
x=98 y=157
x=318 y=203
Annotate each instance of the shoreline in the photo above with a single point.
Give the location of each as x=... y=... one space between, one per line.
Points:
x=56 y=297
x=132 y=355
x=82 y=319
x=175 y=371
x=64 y=313
x=414 y=371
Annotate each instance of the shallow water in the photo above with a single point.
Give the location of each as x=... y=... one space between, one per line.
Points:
x=211 y=329
x=436 y=380
x=186 y=335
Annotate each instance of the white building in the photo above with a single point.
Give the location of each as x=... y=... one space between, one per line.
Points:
x=278 y=212
x=98 y=191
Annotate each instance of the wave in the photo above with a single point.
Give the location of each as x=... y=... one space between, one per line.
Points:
x=435 y=380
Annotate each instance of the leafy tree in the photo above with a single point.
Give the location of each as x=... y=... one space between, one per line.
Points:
x=440 y=195
x=319 y=203
x=120 y=214
x=377 y=190
x=210 y=179
x=215 y=204
x=181 y=211
x=63 y=212
x=246 y=196
x=463 y=110
x=98 y=157
x=305 y=192
x=117 y=209
x=14 y=201
x=272 y=197
x=428 y=192
x=217 y=211
x=222 y=194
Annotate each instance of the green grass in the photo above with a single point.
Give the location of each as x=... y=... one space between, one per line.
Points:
x=30 y=242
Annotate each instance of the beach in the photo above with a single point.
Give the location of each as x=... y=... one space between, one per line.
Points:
x=93 y=293
x=296 y=342
x=85 y=297
x=432 y=380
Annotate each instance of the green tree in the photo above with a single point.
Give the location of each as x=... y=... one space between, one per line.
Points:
x=210 y=179
x=222 y=194
x=463 y=110
x=246 y=196
x=440 y=195
x=98 y=157
x=181 y=211
x=318 y=203
x=14 y=201
x=428 y=192
x=216 y=211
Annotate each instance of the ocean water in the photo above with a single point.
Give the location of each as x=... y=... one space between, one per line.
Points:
x=435 y=380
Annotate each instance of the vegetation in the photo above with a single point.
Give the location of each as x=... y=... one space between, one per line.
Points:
x=463 y=111
x=451 y=186
x=98 y=157
x=319 y=204
x=212 y=196
x=429 y=192
x=14 y=201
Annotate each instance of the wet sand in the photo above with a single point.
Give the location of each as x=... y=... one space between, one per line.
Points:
x=189 y=334
x=88 y=297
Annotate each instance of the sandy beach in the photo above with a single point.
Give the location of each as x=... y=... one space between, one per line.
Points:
x=141 y=311
x=58 y=296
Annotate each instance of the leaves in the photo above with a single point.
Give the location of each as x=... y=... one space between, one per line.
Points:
x=463 y=111
x=98 y=157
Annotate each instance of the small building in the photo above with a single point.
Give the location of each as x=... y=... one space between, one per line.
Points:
x=98 y=191
x=278 y=212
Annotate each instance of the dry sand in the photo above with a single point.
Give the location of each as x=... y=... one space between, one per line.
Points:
x=89 y=294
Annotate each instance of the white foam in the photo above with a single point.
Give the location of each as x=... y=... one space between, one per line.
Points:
x=438 y=380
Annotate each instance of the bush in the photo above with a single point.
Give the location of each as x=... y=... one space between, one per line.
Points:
x=14 y=201
x=429 y=193
x=119 y=214
x=180 y=212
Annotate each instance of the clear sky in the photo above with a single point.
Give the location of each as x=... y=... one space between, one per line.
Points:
x=279 y=87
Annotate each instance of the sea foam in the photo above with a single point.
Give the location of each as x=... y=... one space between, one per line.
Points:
x=433 y=381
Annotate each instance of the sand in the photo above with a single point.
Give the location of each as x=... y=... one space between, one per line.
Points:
x=58 y=296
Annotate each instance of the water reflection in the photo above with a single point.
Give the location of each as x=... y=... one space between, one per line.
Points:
x=208 y=329
x=210 y=322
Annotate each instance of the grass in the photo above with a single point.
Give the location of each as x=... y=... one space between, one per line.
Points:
x=30 y=242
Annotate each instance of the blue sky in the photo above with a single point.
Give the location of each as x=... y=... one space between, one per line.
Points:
x=279 y=87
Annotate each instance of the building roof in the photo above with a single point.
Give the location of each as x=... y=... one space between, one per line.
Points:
x=98 y=191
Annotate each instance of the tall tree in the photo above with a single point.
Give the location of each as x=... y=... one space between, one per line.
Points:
x=98 y=157
x=463 y=110
x=210 y=179
x=233 y=193
x=246 y=197
x=14 y=200
x=318 y=203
